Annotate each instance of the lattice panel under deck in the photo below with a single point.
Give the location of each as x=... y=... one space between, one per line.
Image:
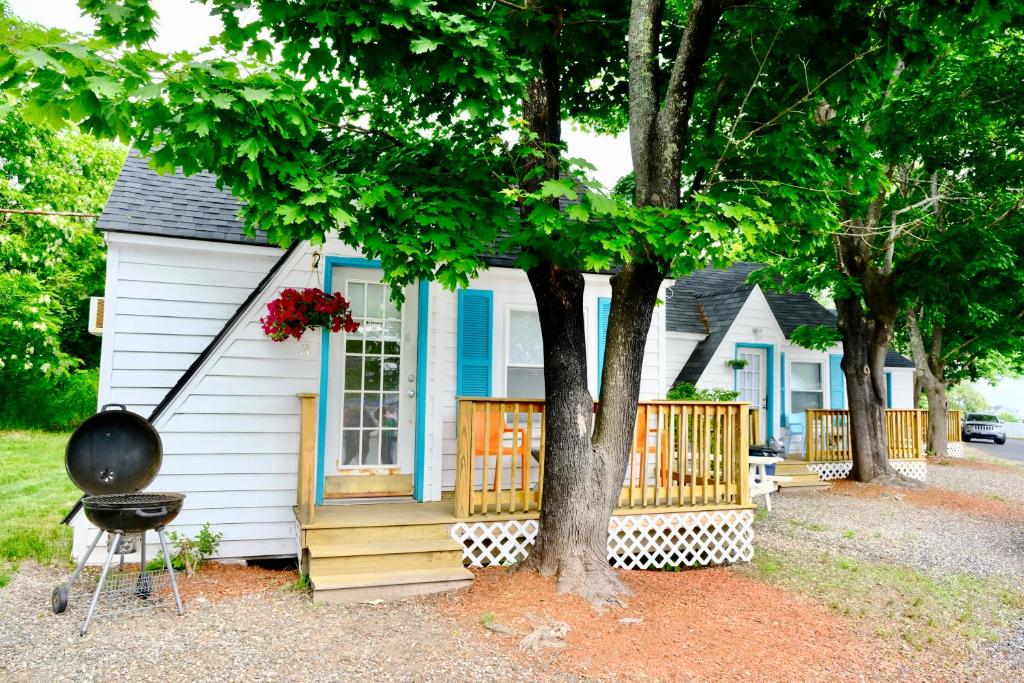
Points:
x=915 y=469
x=634 y=541
x=955 y=449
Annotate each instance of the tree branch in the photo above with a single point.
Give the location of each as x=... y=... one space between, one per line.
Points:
x=644 y=33
x=352 y=128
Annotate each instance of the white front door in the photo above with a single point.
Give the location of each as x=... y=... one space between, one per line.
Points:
x=371 y=402
x=752 y=383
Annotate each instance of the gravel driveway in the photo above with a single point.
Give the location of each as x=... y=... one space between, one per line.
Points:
x=279 y=636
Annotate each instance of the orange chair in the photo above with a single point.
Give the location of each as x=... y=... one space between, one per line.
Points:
x=644 y=450
x=489 y=431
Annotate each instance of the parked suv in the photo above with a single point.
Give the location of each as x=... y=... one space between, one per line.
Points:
x=983 y=426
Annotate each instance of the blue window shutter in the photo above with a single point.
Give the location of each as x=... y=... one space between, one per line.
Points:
x=604 y=308
x=782 y=388
x=888 y=390
x=476 y=332
x=836 y=382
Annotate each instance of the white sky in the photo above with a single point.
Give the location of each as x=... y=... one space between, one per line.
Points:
x=183 y=25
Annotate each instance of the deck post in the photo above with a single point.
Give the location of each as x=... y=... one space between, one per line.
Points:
x=464 y=458
x=743 y=446
x=305 y=491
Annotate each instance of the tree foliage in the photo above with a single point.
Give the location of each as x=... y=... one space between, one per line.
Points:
x=49 y=265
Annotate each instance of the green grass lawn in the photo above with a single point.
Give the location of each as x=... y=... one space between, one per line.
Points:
x=35 y=494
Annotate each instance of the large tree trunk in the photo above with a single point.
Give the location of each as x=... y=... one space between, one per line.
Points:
x=585 y=464
x=938 y=425
x=864 y=348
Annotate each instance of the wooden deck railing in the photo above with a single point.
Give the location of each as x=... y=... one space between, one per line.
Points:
x=953 y=425
x=754 y=432
x=828 y=434
x=684 y=454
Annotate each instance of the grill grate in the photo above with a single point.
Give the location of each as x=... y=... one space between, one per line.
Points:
x=133 y=499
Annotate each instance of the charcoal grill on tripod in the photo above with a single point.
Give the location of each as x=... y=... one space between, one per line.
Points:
x=111 y=457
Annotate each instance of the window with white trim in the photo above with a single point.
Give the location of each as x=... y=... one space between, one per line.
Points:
x=524 y=363
x=807 y=388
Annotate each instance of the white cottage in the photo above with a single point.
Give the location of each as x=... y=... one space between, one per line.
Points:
x=182 y=344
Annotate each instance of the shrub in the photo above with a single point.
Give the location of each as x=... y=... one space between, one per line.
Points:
x=189 y=553
x=48 y=403
x=684 y=391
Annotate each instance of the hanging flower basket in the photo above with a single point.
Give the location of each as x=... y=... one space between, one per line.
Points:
x=296 y=311
x=736 y=363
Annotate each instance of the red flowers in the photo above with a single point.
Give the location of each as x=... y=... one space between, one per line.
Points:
x=295 y=311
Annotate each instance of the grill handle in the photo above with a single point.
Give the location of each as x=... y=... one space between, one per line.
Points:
x=74 y=511
x=158 y=513
x=108 y=406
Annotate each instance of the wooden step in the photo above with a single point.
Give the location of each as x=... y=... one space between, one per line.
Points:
x=806 y=480
x=385 y=564
x=391 y=585
x=361 y=535
x=404 y=546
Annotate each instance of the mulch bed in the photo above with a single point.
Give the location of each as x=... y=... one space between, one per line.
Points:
x=696 y=625
x=934 y=497
x=215 y=581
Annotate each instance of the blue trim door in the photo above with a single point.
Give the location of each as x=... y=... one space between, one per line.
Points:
x=373 y=382
x=757 y=387
x=836 y=382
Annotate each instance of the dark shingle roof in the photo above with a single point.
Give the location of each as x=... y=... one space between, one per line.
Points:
x=173 y=205
x=720 y=310
x=721 y=294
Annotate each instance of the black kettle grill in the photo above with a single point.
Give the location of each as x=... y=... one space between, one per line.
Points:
x=111 y=457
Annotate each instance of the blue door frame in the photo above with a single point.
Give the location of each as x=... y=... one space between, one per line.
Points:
x=770 y=410
x=422 y=326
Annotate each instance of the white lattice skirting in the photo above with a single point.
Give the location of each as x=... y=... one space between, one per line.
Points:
x=915 y=469
x=653 y=541
x=955 y=449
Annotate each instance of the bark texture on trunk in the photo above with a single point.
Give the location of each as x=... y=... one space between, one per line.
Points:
x=572 y=538
x=864 y=348
x=930 y=374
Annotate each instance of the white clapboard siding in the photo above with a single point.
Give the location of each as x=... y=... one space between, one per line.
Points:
x=150 y=324
x=237 y=463
x=251 y=405
x=267 y=367
x=161 y=343
x=229 y=422
x=223 y=385
x=176 y=309
x=186 y=483
x=196 y=442
x=217 y=516
x=196 y=255
x=145 y=378
x=160 y=291
x=235 y=501
x=186 y=275
x=678 y=348
x=141 y=360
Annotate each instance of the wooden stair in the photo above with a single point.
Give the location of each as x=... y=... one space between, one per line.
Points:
x=381 y=551
x=797 y=476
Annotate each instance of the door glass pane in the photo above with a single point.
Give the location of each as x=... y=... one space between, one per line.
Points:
x=350 y=447
x=372 y=378
x=389 y=447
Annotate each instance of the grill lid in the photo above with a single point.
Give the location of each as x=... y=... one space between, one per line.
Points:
x=114 y=451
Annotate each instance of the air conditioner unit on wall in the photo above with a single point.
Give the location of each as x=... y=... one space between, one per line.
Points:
x=96 y=315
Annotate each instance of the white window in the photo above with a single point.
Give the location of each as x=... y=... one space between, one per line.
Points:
x=524 y=366
x=808 y=391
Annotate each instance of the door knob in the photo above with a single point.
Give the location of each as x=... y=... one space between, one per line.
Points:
x=412 y=392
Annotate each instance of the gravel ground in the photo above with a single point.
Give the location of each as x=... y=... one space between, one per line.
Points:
x=889 y=530
x=280 y=636
x=937 y=541
x=1005 y=483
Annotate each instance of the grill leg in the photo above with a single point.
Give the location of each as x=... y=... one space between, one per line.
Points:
x=85 y=558
x=170 y=570
x=103 y=580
